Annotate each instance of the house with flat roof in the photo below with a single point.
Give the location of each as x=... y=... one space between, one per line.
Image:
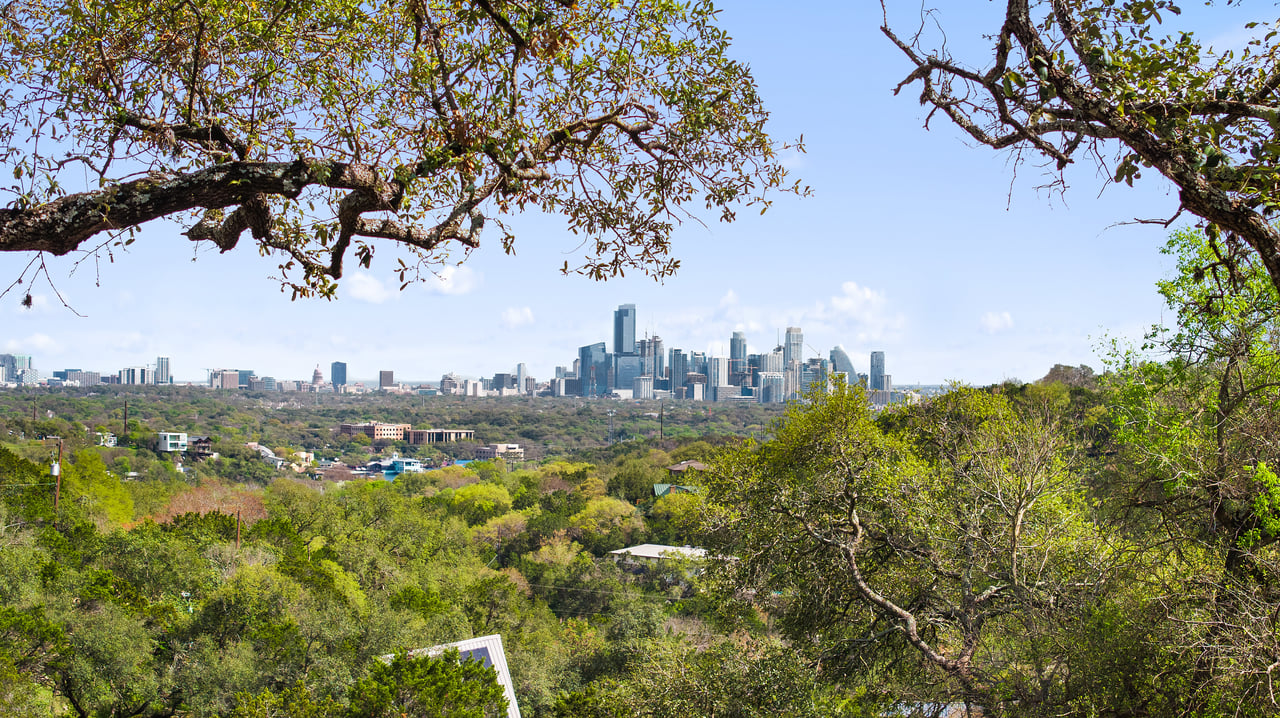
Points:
x=171 y=441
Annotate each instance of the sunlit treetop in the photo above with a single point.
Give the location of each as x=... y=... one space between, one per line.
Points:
x=324 y=129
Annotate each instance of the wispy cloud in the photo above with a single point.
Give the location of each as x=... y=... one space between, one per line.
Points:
x=855 y=314
x=996 y=322
x=367 y=288
x=515 y=316
x=33 y=343
x=454 y=280
x=862 y=304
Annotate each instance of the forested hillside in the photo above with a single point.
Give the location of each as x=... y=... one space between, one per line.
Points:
x=286 y=596
x=1081 y=546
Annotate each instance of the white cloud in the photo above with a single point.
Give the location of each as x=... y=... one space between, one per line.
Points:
x=454 y=280
x=995 y=322
x=855 y=315
x=367 y=288
x=859 y=303
x=32 y=344
x=515 y=316
x=131 y=342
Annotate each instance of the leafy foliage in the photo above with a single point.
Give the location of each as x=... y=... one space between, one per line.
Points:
x=1103 y=80
x=322 y=126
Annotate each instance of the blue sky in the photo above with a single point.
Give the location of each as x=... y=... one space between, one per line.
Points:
x=914 y=242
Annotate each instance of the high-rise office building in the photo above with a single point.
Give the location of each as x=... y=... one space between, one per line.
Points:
x=738 y=353
x=14 y=363
x=224 y=378
x=338 y=374
x=697 y=362
x=83 y=378
x=679 y=366
x=593 y=369
x=162 y=374
x=770 y=387
x=842 y=364
x=718 y=371
x=813 y=375
x=624 y=330
x=792 y=359
x=136 y=375
x=522 y=378
x=652 y=357
x=877 y=371
x=386 y=379
x=626 y=367
x=772 y=362
x=450 y=383
x=793 y=347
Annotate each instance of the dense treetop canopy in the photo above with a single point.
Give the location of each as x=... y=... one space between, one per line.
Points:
x=321 y=126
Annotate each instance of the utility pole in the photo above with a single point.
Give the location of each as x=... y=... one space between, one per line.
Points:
x=662 y=420
x=125 y=434
x=611 y=412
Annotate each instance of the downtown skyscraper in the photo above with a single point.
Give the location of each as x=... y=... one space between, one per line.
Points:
x=738 y=353
x=877 y=371
x=624 y=329
x=792 y=359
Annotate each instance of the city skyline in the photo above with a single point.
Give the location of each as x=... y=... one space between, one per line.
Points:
x=940 y=256
x=722 y=369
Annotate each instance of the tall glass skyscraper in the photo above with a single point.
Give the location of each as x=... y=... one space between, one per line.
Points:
x=792 y=359
x=679 y=367
x=624 y=329
x=877 y=371
x=793 y=347
x=162 y=375
x=338 y=374
x=738 y=353
x=593 y=369
x=841 y=363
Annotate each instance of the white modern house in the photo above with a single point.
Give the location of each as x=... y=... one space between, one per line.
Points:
x=171 y=441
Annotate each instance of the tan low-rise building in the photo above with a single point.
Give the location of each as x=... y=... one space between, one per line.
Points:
x=504 y=451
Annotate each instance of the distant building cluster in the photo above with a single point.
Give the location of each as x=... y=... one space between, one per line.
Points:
x=642 y=368
x=637 y=368
x=17 y=370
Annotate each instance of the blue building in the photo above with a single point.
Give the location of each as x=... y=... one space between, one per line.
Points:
x=624 y=329
x=593 y=369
